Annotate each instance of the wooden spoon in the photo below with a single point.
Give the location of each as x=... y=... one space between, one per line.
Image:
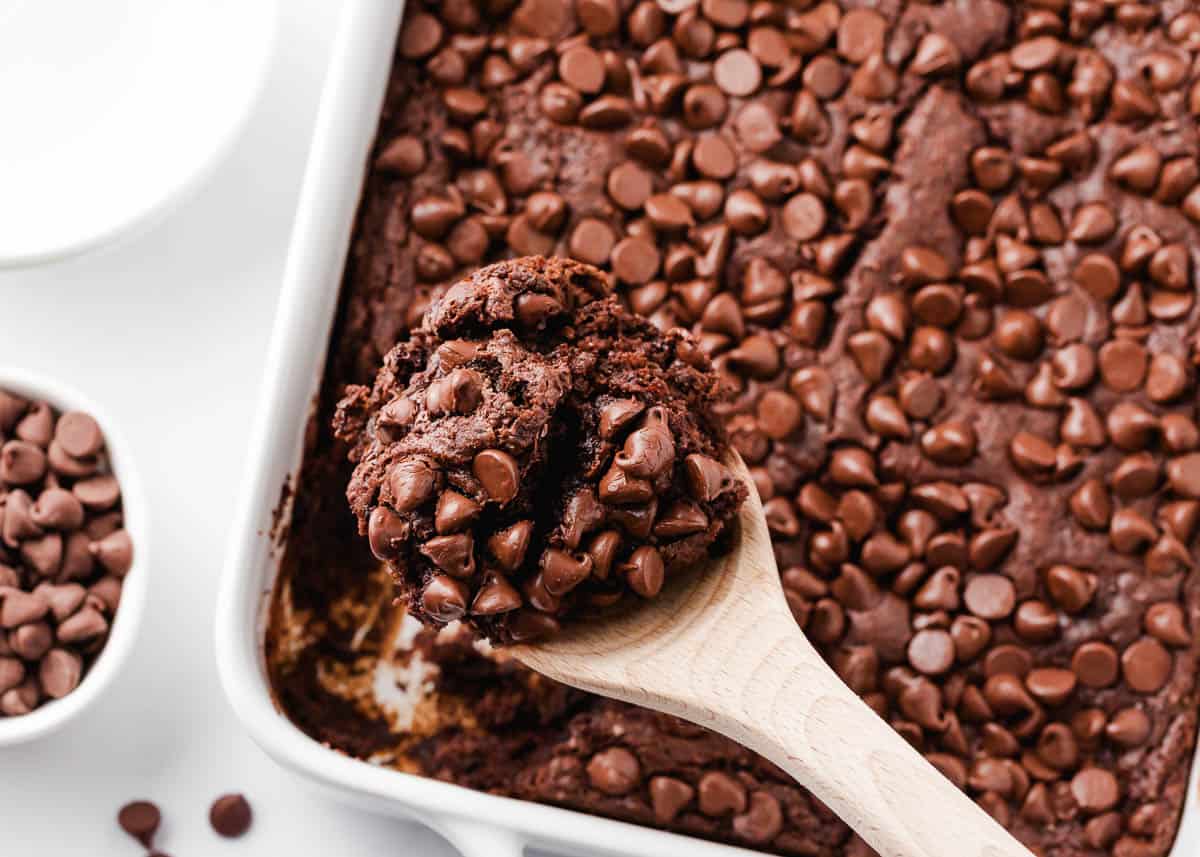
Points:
x=720 y=648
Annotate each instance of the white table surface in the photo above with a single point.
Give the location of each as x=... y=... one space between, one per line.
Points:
x=168 y=331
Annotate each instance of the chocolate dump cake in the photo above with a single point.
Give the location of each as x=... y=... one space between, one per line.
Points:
x=943 y=256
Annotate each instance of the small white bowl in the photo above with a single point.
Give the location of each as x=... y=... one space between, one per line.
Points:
x=53 y=714
x=115 y=111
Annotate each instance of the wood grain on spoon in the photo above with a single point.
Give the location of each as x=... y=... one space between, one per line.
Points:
x=720 y=648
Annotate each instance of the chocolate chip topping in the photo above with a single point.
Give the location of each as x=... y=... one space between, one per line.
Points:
x=60 y=534
x=569 y=420
x=943 y=256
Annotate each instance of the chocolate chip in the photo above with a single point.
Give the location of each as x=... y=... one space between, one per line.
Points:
x=763 y=821
x=606 y=113
x=592 y=241
x=931 y=651
x=618 y=486
x=1018 y=334
x=804 y=217
x=18 y=607
x=38 y=425
x=668 y=796
x=81 y=627
x=230 y=815
x=1146 y=665
x=98 y=492
x=460 y=390
x=59 y=672
x=720 y=794
x=499 y=474
x=455 y=512
x=598 y=17
x=1096 y=664
x=1031 y=454
x=444 y=598
x=562 y=571
x=614 y=771
x=1165 y=621
x=509 y=545
x=951 y=442
x=629 y=185
x=496 y=596
x=411 y=482
x=140 y=819
x=1050 y=685
x=648 y=452
x=1123 y=364
x=452 y=554
x=386 y=532
x=21 y=462
x=644 y=571
x=21 y=699
x=404 y=156
x=1095 y=790
x=1071 y=588
x=582 y=68
x=560 y=103
x=707 y=478
x=860 y=34
x=990 y=596
x=12 y=671
x=114 y=552
x=1183 y=474
x=635 y=260
x=1129 y=727
x=737 y=72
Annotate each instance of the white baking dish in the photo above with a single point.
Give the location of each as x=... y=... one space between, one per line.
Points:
x=480 y=825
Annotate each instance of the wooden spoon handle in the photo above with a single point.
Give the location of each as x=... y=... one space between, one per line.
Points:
x=798 y=713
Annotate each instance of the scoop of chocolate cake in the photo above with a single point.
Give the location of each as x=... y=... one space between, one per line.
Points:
x=536 y=450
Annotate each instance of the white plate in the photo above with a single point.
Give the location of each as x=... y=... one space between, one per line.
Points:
x=114 y=108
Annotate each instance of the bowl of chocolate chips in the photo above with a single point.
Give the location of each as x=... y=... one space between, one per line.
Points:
x=72 y=547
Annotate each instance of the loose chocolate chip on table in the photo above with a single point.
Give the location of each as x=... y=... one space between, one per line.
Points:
x=140 y=819
x=230 y=815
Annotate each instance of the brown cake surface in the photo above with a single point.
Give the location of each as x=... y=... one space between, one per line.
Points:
x=945 y=255
x=537 y=451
